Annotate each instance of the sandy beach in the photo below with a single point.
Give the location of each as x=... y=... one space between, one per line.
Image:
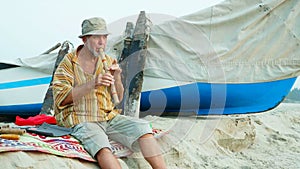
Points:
x=264 y=140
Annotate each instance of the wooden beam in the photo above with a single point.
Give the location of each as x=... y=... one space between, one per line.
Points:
x=52 y=49
x=133 y=61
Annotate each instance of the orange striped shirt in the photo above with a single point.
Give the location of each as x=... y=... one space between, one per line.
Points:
x=97 y=105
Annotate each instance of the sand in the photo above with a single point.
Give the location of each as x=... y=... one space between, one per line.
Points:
x=264 y=140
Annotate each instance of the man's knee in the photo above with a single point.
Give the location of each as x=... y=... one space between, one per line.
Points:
x=147 y=136
x=147 y=139
x=104 y=150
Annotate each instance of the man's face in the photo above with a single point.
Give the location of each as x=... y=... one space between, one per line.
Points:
x=95 y=42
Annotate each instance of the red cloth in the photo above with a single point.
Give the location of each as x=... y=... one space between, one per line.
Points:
x=35 y=120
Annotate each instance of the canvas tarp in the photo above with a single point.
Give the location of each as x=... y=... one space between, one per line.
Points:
x=42 y=63
x=233 y=42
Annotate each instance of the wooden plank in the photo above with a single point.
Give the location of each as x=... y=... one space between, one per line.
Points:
x=134 y=63
x=52 y=49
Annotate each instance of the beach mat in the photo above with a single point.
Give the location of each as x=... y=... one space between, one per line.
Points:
x=65 y=146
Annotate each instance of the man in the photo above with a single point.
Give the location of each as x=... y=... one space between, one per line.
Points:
x=82 y=97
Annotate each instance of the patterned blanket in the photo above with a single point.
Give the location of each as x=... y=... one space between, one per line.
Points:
x=66 y=146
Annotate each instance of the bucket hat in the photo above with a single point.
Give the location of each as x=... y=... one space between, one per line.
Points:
x=93 y=26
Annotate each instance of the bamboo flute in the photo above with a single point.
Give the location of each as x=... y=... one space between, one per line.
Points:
x=113 y=87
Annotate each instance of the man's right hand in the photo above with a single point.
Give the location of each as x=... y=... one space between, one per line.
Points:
x=105 y=79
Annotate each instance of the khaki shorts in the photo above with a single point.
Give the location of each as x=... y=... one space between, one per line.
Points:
x=125 y=130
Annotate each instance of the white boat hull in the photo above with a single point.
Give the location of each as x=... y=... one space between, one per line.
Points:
x=22 y=90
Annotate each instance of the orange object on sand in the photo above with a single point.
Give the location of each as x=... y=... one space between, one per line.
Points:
x=10 y=136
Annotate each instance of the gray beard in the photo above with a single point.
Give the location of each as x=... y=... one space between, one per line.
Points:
x=94 y=52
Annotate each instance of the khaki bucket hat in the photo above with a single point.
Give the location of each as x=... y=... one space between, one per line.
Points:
x=93 y=26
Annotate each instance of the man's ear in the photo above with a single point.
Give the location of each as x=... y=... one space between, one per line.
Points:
x=84 y=39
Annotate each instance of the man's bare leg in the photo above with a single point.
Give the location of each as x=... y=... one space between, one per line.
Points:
x=151 y=151
x=107 y=160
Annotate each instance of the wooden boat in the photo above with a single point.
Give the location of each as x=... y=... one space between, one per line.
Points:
x=227 y=59
x=23 y=90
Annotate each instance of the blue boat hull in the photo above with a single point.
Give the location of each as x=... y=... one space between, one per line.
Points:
x=21 y=109
x=206 y=99
x=196 y=98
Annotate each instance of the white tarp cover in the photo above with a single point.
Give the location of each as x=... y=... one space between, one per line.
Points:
x=42 y=63
x=233 y=42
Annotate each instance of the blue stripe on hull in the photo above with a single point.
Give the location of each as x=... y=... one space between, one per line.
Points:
x=205 y=98
x=25 y=83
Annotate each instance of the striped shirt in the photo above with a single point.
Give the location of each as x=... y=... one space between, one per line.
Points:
x=97 y=105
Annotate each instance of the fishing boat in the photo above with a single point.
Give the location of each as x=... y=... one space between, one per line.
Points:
x=23 y=90
x=24 y=83
x=236 y=57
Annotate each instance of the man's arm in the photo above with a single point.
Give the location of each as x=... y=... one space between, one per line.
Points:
x=78 y=92
x=114 y=77
x=106 y=80
x=102 y=80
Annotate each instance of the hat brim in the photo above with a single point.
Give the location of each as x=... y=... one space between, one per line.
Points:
x=102 y=32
